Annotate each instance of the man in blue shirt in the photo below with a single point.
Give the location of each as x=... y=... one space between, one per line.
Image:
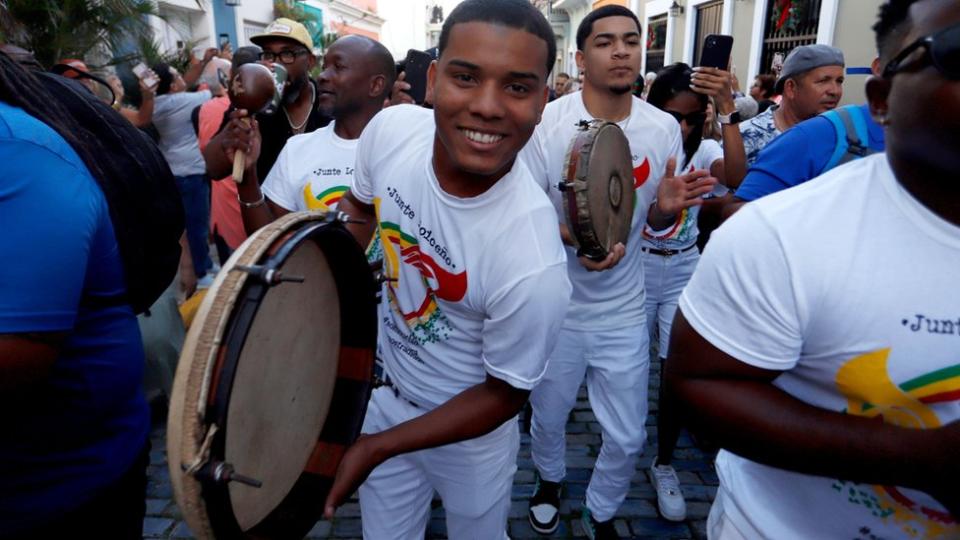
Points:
x=72 y=413
x=801 y=154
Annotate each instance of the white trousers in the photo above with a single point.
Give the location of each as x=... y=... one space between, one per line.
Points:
x=664 y=278
x=617 y=366
x=719 y=524
x=474 y=478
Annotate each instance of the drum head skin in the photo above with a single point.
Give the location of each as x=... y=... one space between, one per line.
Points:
x=598 y=190
x=273 y=381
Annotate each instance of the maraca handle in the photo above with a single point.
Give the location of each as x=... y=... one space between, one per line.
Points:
x=238 y=160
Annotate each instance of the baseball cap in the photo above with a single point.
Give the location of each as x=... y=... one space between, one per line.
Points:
x=803 y=59
x=72 y=68
x=286 y=28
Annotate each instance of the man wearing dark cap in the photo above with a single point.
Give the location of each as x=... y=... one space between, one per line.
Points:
x=811 y=82
x=288 y=43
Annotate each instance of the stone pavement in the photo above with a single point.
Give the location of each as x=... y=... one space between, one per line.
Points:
x=637 y=518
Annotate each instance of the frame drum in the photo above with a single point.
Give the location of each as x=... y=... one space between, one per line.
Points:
x=273 y=382
x=598 y=188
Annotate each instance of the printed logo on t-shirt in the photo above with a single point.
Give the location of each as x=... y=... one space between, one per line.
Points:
x=641 y=173
x=416 y=279
x=326 y=200
x=870 y=392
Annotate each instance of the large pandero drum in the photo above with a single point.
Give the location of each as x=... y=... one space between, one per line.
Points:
x=273 y=381
x=597 y=188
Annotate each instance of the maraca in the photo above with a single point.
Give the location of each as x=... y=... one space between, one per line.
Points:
x=252 y=87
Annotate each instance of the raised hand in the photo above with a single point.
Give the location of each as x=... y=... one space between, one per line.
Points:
x=399 y=93
x=209 y=53
x=242 y=133
x=715 y=83
x=678 y=192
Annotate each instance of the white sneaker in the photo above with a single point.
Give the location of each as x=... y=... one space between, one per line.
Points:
x=669 y=497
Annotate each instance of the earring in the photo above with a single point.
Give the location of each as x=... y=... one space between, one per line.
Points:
x=884 y=121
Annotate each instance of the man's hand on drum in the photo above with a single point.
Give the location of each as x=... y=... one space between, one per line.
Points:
x=612 y=259
x=242 y=133
x=356 y=465
x=678 y=192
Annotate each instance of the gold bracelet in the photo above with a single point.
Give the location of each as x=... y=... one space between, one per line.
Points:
x=255 y=204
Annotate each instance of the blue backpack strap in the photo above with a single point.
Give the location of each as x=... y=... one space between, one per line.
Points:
x=851 y=129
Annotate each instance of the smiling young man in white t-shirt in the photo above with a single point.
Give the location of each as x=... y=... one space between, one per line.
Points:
x=315 y=169
x=818 y=340
x=604 y=334
x=476 y=283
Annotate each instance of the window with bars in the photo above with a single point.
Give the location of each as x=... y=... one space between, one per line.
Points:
x=709 y=18
x=788 y=24
x=656 y=42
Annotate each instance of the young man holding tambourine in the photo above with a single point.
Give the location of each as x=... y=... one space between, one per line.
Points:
x=604 y=334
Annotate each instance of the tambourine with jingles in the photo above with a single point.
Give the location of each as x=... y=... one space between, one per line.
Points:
x=597 y=188
x=273 y=382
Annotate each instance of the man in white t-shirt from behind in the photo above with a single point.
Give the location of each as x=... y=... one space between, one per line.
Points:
x=817 y=342
x=315 y=169
x=476 y=283
x=604 y=335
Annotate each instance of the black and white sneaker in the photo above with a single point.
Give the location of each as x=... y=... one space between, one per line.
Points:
x=544 y=513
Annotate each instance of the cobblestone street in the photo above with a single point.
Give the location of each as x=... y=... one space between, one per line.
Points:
x=637 y=517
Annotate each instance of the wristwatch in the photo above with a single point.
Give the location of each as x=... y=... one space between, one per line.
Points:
x=732 y=118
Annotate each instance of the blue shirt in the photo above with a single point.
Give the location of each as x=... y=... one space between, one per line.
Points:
x=798 y=155
x=83 y=425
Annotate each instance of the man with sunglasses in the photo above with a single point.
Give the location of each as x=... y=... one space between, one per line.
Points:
x=817 y=340
x=288 y=43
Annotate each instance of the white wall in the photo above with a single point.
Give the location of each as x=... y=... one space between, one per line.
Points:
x=184 y=22
x=405 y=25
x=253 y=14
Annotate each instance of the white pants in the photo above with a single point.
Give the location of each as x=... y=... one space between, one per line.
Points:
x=719 y=524
x=664 y=278
x=617 y=366
x=474 y=478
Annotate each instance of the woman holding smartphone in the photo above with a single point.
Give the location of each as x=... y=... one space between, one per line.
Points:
x=671 y=255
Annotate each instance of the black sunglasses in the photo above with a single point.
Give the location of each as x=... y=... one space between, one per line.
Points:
x=285 y=56
x=692 y=119
x=941 y=49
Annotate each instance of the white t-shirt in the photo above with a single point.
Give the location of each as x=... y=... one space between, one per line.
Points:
x=312 y=172
x=480 y=282
x=613 y=298
x=683 y=233
x=847 y=284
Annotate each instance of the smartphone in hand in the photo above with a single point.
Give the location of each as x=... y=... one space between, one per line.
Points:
x=415 y=66
x=148 y=77
x=716 y=51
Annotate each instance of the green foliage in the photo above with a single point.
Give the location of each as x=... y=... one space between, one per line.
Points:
x=291 y=10
x=56 y=29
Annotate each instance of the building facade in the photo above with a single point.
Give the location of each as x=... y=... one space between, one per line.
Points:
x=764 y=33
x=210 y=23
